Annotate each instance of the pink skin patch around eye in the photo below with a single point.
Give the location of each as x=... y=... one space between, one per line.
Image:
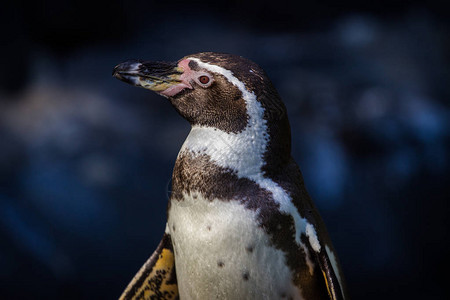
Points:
x=185 y=78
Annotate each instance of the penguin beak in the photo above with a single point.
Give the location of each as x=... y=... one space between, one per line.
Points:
x=164 y=78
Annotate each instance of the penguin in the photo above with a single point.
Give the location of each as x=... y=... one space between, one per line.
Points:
x=240 y=222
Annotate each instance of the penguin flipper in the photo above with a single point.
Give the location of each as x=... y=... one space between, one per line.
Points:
x=157 y=278
x=334 y=288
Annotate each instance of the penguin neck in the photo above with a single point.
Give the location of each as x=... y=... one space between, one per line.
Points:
x=248 y=153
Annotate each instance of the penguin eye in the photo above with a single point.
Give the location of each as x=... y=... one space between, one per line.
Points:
x=203 y=79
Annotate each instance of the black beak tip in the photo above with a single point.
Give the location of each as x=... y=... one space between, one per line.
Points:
x=124 y=67
x=115 y=73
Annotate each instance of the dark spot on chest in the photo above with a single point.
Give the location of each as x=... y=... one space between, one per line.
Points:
x=245 y=276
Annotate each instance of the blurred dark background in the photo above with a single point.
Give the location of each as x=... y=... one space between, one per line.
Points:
x=85 y=160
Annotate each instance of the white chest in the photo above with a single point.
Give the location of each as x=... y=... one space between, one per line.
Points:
x=222 y=253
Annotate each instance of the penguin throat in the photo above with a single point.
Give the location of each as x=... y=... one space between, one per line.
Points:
x=241 y=153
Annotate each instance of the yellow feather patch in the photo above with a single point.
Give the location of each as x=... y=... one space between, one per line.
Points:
x=326 y=282
x=154 y=282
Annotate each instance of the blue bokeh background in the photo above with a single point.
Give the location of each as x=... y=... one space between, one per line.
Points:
x=86 y=161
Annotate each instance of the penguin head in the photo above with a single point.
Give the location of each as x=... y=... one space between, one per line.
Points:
x=208 y=89
x=224 y=92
